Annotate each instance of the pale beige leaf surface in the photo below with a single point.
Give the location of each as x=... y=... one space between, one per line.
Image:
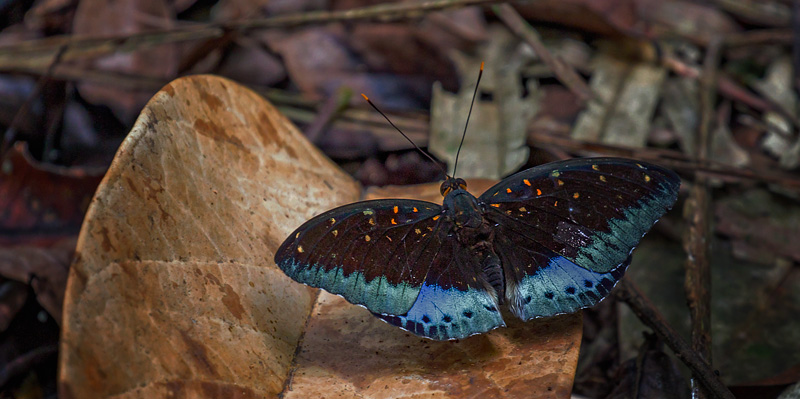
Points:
x=173 y=292
x=173 y=289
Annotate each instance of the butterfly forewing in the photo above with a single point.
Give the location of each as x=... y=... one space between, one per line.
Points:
x=564 y=231
x=364 y=251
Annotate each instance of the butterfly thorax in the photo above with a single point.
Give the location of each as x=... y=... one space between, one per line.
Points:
x=463 y=209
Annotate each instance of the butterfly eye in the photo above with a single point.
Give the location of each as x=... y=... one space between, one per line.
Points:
x=462 y=184
x=444 y=189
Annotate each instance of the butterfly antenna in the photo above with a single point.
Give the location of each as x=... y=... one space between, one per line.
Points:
x=404 y=135
x=474 y=94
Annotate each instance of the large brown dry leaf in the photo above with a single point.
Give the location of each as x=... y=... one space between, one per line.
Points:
x=174 y=291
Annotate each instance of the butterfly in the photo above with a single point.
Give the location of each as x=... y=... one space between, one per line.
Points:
x=549 y=240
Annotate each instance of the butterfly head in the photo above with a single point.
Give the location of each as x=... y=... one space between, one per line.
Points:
x=452 y=183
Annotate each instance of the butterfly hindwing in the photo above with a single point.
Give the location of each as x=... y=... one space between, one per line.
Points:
x=455 y=301
x=564 y=231
x=556 y=285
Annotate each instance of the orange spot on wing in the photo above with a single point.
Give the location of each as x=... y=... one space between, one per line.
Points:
x=576 y=195
x=393 y=222
x=415 y=209
x=527 y=183
x=495 y=205
x=508 y=190
x=538 y=192
x=556 y=204
x=396 y=209
x=436 y=217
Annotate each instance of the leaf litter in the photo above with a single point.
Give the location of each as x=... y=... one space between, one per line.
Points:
x=646 y=107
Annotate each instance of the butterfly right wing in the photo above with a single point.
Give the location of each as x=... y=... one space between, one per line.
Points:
x=565 y=231
x=365 y=252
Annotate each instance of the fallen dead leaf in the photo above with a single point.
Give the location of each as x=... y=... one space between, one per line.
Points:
x=98 y=18
x=173 y=290
x=41 y=203
x=627 y=95
x=45 y=268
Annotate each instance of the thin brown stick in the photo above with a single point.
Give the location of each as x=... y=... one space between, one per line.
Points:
x=328 y=112
x=698 y=271
x=729 y=88
x=669 y=158
x=33 y=54
x=756 y=12
x=26 y=362
x=563 y=71
x=796 y=45
x=8 y=136
x=759 y=37
x=627 y=292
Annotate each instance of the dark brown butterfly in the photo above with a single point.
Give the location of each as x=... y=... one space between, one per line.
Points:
x=548 y=240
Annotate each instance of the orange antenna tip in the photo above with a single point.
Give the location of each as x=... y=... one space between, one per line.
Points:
x=481 y=67
x=365 y=96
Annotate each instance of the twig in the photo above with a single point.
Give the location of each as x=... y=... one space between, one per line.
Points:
x=756 y=12
x=796 y=45
x=8 y=136
x=561 y=69
x=32 y=54
x=26 y=362
x=698 y=271
x=669 y=158
x=759 y=37
x=628 y=292
x=729 y=88
x=326 y=114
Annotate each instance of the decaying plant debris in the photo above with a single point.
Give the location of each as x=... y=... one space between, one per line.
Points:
x=708 y=89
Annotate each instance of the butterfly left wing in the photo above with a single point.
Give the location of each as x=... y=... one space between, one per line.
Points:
x=363 y=251
x=565 y=230
x=399 y=259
